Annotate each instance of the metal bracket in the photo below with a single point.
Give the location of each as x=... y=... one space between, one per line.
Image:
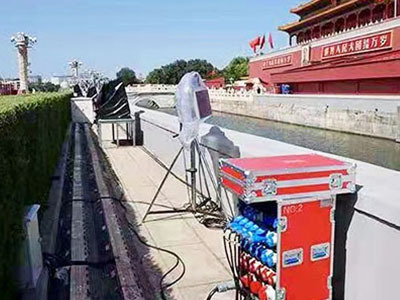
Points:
x=281 y=294
x=249 y=196
x=327 y=202
x=352 y=169
x=270 y=187
x=332 y=215
x=282 y=224
x=335 y=181
x=250 y=180
x=329 y=282
x=351 y=187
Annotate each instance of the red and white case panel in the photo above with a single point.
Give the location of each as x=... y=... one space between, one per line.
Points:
x=305 y=249
x=287 y=177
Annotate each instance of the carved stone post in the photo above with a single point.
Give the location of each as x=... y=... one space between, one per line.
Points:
x=23 y=68
x=398 y=124
x=22 y=42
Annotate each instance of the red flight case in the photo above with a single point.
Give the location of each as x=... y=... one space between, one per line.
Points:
x=287 y=177
x=304 y=188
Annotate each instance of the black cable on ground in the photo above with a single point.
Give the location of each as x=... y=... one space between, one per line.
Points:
x=132 y=228
x=233 y=257
x=178 y=259
x=214 y=221
x=212 y=293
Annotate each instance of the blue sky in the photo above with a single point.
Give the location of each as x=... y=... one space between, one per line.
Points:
x=109 y=34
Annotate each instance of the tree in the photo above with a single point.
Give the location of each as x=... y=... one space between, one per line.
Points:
x=236 y=69
x=202 y=66
x=127 y=75
x=173 y=72
x=44 y=87
x=155 y=77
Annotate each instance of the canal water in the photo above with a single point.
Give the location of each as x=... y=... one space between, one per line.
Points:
x=376 y=151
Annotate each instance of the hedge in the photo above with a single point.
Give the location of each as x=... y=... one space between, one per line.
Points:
x=32 y=130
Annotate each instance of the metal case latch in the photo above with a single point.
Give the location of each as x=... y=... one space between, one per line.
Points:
x=282 y=225
x=280 y=294
x=335 y=181
x=270 y=187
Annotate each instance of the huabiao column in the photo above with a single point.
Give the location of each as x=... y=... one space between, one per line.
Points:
x=22 y=42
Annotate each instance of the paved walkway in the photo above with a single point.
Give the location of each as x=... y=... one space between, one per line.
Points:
x=200 y=248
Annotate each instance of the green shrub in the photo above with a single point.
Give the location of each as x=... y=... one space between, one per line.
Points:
x=32 y=130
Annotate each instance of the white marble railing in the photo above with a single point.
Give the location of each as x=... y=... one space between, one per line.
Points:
x=151 y=88
x=230 y=95
x=215 y=94
x=385 y=103
x=371 y=115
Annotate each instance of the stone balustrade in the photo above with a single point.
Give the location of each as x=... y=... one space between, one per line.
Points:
x=151 y=88
x=373 y=115
x=231 y=95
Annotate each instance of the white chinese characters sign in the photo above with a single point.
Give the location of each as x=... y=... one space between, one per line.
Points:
x=366 y=44
x=277 y=62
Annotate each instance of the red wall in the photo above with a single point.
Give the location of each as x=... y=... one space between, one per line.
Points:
x=339 y=87
x=373 y=69
x=7 y=89
x=365 y=86
x=380 y=86
x=362 y=78
x=306 y=88
x=256 y=69
x=215 y=83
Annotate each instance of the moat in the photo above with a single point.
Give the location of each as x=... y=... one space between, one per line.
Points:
x=376 y=151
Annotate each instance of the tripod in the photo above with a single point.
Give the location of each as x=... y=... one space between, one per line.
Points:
x=195 y=175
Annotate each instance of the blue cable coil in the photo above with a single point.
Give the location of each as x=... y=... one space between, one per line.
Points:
x=259 y=217
x=256 y=241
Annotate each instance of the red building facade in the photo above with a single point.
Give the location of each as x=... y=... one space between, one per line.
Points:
x=8 y=88
x=337 y=47
x=215 y=83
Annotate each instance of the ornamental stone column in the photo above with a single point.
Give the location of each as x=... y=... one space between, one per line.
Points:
x=22 y=42
x=398 y=124
x=75 y=65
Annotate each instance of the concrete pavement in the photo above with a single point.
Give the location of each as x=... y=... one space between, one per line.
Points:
x=200 y=248
x=366 y=222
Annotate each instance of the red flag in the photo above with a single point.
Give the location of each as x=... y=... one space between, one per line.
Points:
x=262 y=42
x=270 y=41
x=254 y=43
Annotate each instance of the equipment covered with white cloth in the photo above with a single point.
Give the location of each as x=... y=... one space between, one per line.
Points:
x=193 y=106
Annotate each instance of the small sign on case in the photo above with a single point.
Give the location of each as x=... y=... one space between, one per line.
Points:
x=321 y=251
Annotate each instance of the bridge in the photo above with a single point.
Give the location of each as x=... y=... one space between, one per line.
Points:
x=152 y=95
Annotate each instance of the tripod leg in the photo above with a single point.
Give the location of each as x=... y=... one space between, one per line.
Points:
x=193 y=171
x=161 y=185
x=202 y=174
x=210 y=173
